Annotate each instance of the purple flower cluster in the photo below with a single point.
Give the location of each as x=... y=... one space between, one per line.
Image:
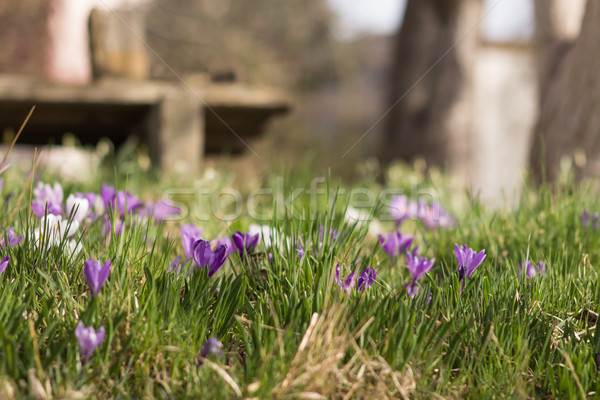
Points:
x=122 y=201
x=79 y=206
x=211 y=255
x=365 y=279
x=530 y=270
x=431 y=215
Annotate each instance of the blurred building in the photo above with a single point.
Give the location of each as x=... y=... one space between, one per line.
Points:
x=49 y=38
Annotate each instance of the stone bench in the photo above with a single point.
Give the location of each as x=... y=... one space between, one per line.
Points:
x=176 y=121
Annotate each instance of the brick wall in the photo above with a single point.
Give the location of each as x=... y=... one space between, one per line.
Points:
x=24 y=36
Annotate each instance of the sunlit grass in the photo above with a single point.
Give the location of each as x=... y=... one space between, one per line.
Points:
x=287 y=328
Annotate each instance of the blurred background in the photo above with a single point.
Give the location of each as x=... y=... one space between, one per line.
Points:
x=485 y=89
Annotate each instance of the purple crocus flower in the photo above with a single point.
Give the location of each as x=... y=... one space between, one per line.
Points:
x=418 y=266
x=212 y=346
x=541 y=268
x=161 y=210
x=189 y=234
x=225 y=241
x=174 y=267
x=204 y=256
x=12 y=239
x=108 y=194
x=123 y=201
x=333 y=235
x=350 y=282
x=366 y=278
x=585 y=220
x=107 y=227
x=127 y=203
x=300 y=250
x=244 y=242
x=530 y=270
x=412 y=289
x=96 y=274
x=47 y=196
x=338 y=280
x=434 y=215
x=402 y=209
x=88 y=339
x=4 y=263
x=468 y=261
x=584 y=217
x=395 y=244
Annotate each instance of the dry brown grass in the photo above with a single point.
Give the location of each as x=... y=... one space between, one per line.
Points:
x=320 y=368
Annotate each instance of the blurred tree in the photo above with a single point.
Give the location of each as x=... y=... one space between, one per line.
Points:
x=431 y=82
x=286 y=43
x=569 y=81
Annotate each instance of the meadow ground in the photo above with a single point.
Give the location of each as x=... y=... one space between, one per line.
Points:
x=292 y=285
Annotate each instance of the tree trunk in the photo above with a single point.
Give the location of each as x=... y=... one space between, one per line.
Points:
x=569 y=118
x=431 y=83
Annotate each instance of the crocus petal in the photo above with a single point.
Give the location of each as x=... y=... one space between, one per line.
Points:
x=460 y=255
x=530 y=270
x=217 y=260
x=202 y=253
x=252 y=242
x=189 y=234
x=475 y=262
x=79 y=207
x=350 y=282
x=4 y=263
x=104 y=272
x=100 y=334
x=108 y=194
x=174 y=267
x=238 y=241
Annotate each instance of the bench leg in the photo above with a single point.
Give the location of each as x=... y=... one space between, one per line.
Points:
x=177 y=138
